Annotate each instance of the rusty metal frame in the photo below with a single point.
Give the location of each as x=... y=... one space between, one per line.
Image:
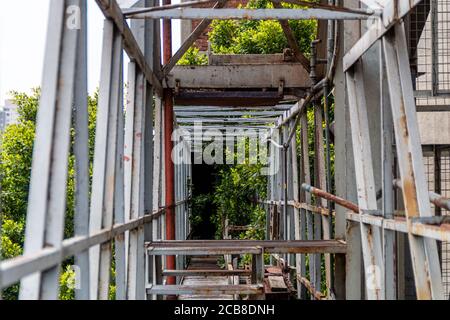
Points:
x=133 y=205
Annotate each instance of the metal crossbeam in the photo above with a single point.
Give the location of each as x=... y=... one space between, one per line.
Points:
x=206 y=290
x=252 y=14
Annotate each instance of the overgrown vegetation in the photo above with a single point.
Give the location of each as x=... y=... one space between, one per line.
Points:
x=236 y=196
x=239 y=186
x=259 y=37
x=15 y=169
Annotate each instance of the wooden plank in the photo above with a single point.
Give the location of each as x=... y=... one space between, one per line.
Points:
x=277 y=283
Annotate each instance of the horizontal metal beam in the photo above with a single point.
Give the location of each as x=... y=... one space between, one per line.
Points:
x=207 y=113
x=433 y=108
x=201 y=251
x=202 y=108
x=252 y=14
x=263 y=76
x=239 y=59
x=226 y=120
x=226 y=128
x=437 y=232
x=134 y=11
x=11 y=271
x=214 y=273
x=205 y=290
x=238 y=98
x=299 y=246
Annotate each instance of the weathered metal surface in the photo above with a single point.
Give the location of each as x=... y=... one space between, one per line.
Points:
x=206 y=272
x=169 y=165
x=46 y=206
x=365 y=180
x=314 y=293
x=246 y=59
x=228 y=98
x=436 y=199
x=206 y=289
x=438 y=232
x=274 y=79
x=276 y=283
x=262 y=76
x=81 y=152
x=128 y=12
x=424 y=253
x=322 y=194
x=250 y=14
x=14 y=269
x=187 y=250
x=279 y=246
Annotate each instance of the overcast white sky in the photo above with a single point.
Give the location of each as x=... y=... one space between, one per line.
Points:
x=23 y=26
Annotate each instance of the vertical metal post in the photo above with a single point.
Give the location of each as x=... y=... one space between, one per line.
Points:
x=103 y=188
x=298 y=222
x=434 y=16
x=47 y=198
x=424 y=253
x=321 y=183
x=365 y=180
x=388 y=162
x=348 y=266
x=168 y=147
x=119 y=208
x=306 y=175
x=329 y=259
x=290 y=155
x=284 y=188
x=437 y=176
x=135 y=278
x=81 y=152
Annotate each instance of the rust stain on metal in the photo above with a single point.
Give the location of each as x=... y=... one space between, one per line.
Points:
x=410 y=198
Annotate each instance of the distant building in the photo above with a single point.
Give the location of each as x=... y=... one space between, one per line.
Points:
x=10 y=114
x=2 y=120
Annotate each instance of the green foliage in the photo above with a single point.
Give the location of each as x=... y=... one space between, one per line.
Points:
x=236 y=197
x=198 y=205
x=28 y=104
x=67 y=284
x=259 y=37
x=193 y=57
x=16 y=154
x=15 y=171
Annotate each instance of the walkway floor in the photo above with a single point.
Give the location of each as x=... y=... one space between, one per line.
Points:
x=205 y=263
